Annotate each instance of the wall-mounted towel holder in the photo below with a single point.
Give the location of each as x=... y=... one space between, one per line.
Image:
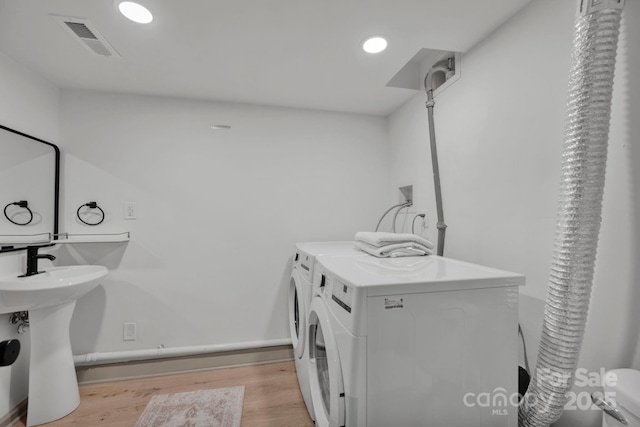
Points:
x=22 y=204
x=90 y=205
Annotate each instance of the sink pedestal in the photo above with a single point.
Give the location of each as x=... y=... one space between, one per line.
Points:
x=50 y=298
x=53 y=385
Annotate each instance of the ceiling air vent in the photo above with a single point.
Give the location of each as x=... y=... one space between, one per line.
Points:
x=84 y=31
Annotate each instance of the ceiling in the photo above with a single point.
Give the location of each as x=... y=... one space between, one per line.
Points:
x=293 y=53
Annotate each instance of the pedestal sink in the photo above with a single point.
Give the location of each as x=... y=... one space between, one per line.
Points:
x=50 y=298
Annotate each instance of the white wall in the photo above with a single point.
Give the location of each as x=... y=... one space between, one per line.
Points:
x=499 y=132
x=219 y=211
x=28 y=103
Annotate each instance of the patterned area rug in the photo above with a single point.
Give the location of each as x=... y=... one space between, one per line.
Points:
x=220 y=407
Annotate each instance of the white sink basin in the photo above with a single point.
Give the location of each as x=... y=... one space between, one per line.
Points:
x=55 y=286
x=50 y=299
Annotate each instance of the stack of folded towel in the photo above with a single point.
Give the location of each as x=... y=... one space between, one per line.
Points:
x=385 y=245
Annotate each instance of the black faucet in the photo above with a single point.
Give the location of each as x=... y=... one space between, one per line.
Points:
x=32 y=260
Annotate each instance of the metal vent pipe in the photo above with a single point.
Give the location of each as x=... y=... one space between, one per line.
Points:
x=428 y=87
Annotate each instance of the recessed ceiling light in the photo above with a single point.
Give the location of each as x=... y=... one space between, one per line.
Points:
x=135 y=12
x=375 y=44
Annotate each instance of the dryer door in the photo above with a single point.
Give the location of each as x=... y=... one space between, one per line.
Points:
x=297 y=314
x=325 y=371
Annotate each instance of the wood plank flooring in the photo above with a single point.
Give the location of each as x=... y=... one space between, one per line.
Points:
x=272 y=397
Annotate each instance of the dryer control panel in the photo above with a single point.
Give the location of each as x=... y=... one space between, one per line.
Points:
x=305 y=261
x=343 y=295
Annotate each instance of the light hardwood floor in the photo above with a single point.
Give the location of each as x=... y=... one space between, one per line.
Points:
x=271 y=398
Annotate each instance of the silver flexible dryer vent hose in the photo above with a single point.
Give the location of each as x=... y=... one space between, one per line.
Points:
x=579 y=211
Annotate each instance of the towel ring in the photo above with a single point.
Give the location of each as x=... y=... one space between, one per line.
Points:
x=91 y=205
x=23 y=204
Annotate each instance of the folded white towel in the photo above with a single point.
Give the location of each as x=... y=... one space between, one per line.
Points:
x=394 y=250
x=382 y=238
x=394 y=246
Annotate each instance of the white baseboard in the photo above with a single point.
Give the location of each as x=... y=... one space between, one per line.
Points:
x=182 y=364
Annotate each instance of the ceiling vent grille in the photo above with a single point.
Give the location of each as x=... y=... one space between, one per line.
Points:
x=85 y=32
x=81 y=30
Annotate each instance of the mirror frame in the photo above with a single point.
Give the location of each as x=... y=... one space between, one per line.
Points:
x=56 y=208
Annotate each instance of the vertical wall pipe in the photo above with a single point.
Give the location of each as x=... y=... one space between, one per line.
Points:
x=579 y=210
x=441 y=225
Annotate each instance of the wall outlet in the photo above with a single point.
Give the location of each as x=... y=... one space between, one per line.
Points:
x=129 y=332
x=130 y=210
x=424 y=221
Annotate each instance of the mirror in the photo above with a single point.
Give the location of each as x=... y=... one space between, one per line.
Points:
x=29 y=190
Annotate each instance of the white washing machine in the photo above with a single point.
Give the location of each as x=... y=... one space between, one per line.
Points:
x=300 y=292
x=413 y=342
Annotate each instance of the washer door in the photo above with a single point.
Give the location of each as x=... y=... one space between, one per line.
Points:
x=325 y=371
x=297 y=314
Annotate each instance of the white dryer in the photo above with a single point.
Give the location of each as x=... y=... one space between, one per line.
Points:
x=300 y=292
x=413 y=342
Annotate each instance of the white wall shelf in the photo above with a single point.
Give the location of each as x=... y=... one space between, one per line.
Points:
x=66 y=238
x=25 y=239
